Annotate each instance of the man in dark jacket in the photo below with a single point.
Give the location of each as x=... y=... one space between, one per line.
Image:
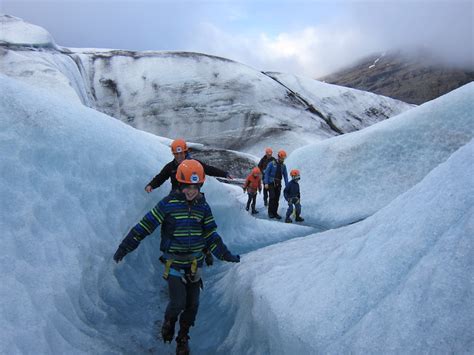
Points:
x=187 y=227
x=262 y=165
x=179 y=149
x=274 y=173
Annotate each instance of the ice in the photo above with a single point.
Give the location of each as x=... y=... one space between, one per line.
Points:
x=72 y=185
x=207 y=99
x=350 y=177
x=17 y=32
x=398 y=282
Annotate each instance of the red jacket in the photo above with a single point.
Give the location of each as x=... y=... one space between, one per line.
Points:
x=252 y=184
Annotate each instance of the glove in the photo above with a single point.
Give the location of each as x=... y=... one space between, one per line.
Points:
x=231 y=258
x=209 y=259
x=119 y=254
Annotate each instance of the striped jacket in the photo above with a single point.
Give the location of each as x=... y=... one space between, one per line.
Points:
x=186 y=228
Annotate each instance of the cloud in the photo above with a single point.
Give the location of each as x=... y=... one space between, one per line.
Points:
x=311 y=38
x=313 y=51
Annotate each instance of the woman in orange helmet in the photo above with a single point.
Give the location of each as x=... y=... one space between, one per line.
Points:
x=179 y=148
x=187 y=227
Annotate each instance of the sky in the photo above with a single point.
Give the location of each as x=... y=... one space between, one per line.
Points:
x=302 y=37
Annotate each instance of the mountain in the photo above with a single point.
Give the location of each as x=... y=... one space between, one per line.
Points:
x=414 y=77
x=206 y=99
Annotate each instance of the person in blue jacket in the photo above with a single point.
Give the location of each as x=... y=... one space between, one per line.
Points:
x=274 y=173
x=292 y=195
x=187 y=227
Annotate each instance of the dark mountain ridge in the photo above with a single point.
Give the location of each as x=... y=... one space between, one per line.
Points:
x=414 y=77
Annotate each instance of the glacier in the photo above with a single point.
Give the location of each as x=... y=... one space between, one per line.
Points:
x=209 y=100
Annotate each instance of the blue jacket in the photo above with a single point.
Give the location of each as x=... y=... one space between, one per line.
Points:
x=270 y=172
x=186 y=228
x=292 y=190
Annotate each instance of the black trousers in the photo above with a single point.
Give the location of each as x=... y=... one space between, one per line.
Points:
x=252 y=200
x=184 y=299
x=265 y=196
x=274 y=191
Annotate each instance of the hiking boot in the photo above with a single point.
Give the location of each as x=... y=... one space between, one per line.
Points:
x=247 y=208
x=299 y=219
x=254 y=211
x=167 y=330
x=277 y=216
x=288 y=220
x=182 y=345
x=271 y=215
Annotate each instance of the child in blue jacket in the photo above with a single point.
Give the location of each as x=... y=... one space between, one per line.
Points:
x=292 y=195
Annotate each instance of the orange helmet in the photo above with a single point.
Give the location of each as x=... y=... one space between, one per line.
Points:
x=294 y=173
x=179 y=146
x=268 y=151
x=190 y=171
x=256 y=171
x=282 y=154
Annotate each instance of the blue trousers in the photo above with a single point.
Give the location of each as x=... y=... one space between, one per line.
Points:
x=289 y=211
x=184 y=300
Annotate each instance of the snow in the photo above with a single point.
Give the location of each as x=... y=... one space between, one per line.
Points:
x=350 y=177
x=15 y=31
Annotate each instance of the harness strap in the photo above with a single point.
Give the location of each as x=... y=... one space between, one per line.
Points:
x=194 y=266
x=167 y=268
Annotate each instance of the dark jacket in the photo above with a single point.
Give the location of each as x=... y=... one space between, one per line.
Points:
x=169 y=172
x=271 y=171
x=292 y=190
x=262 y=165
x=186 y=228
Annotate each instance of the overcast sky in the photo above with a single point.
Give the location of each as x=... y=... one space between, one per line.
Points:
x=305 y=37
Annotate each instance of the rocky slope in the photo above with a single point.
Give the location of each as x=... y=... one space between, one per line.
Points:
x=410 y=77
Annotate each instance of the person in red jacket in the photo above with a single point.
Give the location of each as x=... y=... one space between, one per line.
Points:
x=253 y=183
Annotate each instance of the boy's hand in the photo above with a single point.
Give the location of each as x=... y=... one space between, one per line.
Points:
x=266 y=186
x=119 y=254
x=209 y=259
x=148 y=188
x=231 y=258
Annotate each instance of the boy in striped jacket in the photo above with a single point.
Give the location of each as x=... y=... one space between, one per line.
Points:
x=187 y=227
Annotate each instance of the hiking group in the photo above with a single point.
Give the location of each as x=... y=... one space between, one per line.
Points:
x=189 y=232
x=273 y=172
